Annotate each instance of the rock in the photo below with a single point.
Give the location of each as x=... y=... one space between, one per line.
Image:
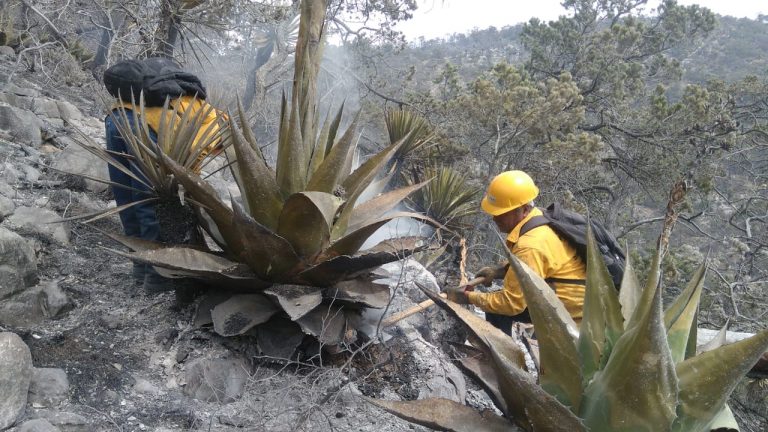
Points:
x=6 y=51
x=22 y=91
x=48 y=388
x=11 y=174
x=15 y=374
x=7 y=190
x=18 y=266
x=37 y=425
x=68 y=112
x=6 y=207
x=40 y=222
x=22 y=102
x=65 y=421
x=145 y=387
x=31 y=174
x=33 y=306
x=20 y=125
x=54 y=301
x=45 y=107
x=216 y=380
x=76 y=160
x=233 y=420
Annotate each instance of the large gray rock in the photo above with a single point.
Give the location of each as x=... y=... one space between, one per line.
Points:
x=34 y=305
x=49 y=387
x=76 y=160
x=45 y=107
x=216 y=380
x=6 y=51
x=6 y=207
x=15 y=374
x=40 y=222
x=68 y=112
x=7 y=190
x=37 y=425
x=18 y=266
x=64 y=421
x=20 y=125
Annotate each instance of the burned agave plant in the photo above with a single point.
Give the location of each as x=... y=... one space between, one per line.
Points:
x=629 y=366
x=289 y=262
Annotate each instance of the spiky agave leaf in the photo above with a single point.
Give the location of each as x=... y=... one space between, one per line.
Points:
x=408 y=126
x=602 y=322
x=707 y=380
x=631 y=291
x=680 y=316
x=448 y=198
x=559 y=372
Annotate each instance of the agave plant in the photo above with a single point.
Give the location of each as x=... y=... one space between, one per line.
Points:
x=630 y=366
x=192 y=139
x=447 y=198
x=290 y=248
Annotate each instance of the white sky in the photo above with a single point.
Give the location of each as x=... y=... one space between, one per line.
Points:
x=438 y=18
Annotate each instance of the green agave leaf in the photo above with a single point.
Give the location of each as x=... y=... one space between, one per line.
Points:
x=680 y=317
x=248 y=134
x=631 y=292
x=559 y=373
x=318 y=151
x=363 y=291
x=259 y=188
x=602 y=323
x=377 y=186
x=267 y=253
x=240 y=313
x=331 y=171
x=363 y=175
x=306 y=220
x=380 y=205
x=637 y=389
x=352 y=242
x=649 y=292
x=444 y=414
x=356 y=184
x=296 y=300
x=527 y=403
x=292 y=163
x=344 y=267
x=707 y=380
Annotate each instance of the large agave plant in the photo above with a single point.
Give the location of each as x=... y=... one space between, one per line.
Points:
x=629 y=366
x=291 y=246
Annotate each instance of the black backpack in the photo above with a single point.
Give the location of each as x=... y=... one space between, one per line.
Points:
x=159 y=78
x=573 y=228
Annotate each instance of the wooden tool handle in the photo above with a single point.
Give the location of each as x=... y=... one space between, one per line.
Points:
x=392 y=319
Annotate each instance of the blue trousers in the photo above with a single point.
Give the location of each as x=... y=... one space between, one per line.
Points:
x=139 y=220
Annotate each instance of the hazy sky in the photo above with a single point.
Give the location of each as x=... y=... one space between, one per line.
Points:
x=437 y=18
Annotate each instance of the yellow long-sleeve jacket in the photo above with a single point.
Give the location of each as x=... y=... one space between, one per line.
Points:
x=178 y=107
x=550 y=257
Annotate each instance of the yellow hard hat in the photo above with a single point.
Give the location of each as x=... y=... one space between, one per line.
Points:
x=508 y=191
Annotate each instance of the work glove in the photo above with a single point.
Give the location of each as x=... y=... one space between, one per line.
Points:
x=490 y=273
x=457 y=295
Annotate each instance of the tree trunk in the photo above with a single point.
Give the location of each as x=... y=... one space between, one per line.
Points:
x=167 y=29
x=262 y=56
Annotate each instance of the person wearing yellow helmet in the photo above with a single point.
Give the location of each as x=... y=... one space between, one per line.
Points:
x=510 y=201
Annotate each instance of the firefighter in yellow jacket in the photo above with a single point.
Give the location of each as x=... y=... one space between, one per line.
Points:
x=509 y=200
